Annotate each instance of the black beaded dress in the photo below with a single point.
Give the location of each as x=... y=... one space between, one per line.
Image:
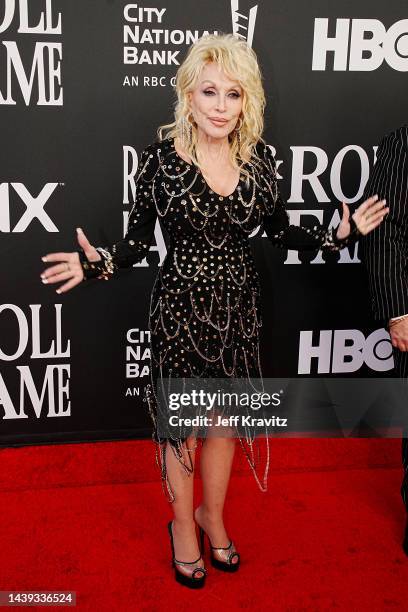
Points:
x=204 y=308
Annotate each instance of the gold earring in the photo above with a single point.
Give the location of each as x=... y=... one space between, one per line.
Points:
x=238 y=131
x=187 y=131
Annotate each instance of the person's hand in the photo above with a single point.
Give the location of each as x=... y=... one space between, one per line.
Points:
x=69 y=269
x=399 y=334
x=367 y=217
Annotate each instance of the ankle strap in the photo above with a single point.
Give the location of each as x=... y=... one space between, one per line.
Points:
x=187 y=562
x=221 y=548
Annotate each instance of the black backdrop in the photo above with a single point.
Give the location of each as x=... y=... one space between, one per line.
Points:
x=83 y=87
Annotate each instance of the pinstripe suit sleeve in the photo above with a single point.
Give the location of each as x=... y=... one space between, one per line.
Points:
x=385 y=250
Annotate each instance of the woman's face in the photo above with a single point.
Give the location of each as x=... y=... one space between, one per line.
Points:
x=216 y=102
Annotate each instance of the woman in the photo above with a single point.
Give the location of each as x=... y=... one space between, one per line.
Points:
x=211 y=180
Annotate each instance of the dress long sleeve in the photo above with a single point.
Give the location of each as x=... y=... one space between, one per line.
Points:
x=284 y=235
x=140 y=229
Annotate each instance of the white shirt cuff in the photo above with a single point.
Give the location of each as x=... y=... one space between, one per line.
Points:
x=400 y=317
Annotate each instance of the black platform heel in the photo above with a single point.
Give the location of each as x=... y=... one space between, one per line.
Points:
x=197 y=578
x=225 y=561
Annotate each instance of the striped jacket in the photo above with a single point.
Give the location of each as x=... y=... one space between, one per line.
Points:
x=385 y=250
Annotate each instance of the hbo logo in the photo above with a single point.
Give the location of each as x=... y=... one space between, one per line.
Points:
x=361 y=44
x=344 y=350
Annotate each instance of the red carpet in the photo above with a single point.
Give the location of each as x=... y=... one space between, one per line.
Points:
x=92 y=518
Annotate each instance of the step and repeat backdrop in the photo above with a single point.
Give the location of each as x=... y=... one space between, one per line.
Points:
x=83 y=87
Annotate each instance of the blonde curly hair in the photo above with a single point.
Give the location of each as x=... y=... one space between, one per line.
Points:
x=240 y=63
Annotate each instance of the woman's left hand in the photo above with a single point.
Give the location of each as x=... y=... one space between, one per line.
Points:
x=367 y=217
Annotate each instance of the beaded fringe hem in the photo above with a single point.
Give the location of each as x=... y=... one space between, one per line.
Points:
x=249 y=446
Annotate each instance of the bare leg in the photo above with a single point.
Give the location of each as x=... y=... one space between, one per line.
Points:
x=216 y=461
x=184 y=533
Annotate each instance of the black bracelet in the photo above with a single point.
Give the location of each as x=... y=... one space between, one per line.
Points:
x=352 y=237
x=354 y=231
x=91 y=269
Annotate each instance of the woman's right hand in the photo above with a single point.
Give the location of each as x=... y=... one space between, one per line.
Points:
x=69 y=267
